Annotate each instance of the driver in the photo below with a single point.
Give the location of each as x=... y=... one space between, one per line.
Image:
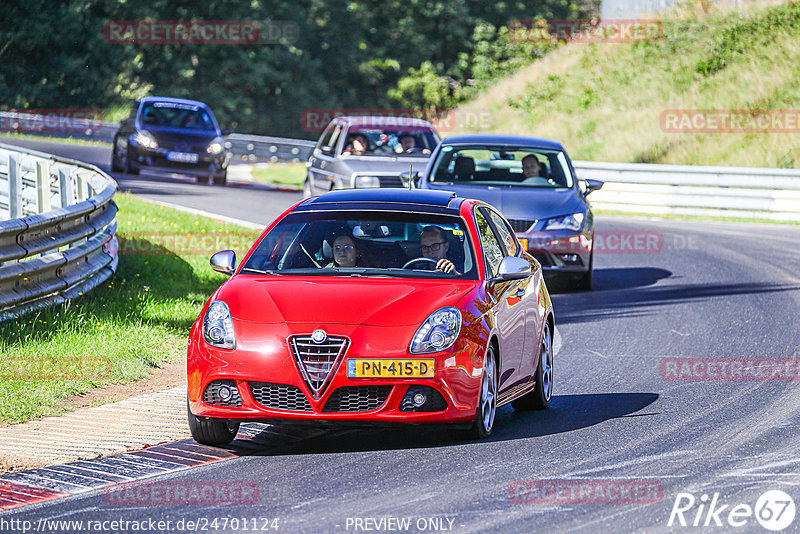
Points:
x=434 y=245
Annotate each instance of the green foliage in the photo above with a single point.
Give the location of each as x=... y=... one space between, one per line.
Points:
x=347 y=54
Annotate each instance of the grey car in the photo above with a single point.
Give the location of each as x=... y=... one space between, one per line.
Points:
x=532 y=182
x=368 y=152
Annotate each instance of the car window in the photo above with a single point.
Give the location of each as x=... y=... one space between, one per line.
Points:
x=503 y=166
x=400 y=141
x=504 y=233
x=335 y=136
x=381 y=244
x=325 y=138
x=176 y=115
x=492 y=250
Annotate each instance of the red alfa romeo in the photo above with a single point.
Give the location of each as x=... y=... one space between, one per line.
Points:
x=373 y=306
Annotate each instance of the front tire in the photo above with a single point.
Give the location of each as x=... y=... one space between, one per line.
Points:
x=584 y=283
x=210 y=431
x=222 y=179
x=539 y=398
x=487 y=402
x=115 y=166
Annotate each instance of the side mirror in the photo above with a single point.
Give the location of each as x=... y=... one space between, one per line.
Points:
x=414 y=177
x=226 y=131
x=512 y=268
x=224 y=262
x=327 y=150
x=592 y=185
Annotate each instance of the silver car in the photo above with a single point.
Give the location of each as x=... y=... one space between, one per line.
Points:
x=368 y=152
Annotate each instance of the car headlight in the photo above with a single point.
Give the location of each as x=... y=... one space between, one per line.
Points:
x=438 y=332
x=366 y=181
x=218 y=326
x=145 y=139
x=215 y=147
x=567 y=222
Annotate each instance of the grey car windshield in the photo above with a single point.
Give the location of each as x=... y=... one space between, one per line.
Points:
x=502 y=166
x=390 y=141
x=364 y=244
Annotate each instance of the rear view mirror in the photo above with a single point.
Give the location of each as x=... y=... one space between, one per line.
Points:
x=226 y=131
x=327 y=150
x=404 y=177
x=224 y=262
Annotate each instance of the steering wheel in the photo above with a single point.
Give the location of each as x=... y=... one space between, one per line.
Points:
x=421 y=258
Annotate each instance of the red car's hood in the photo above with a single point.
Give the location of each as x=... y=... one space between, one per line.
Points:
x=339 y=300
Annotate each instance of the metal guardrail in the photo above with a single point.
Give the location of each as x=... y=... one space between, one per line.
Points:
x=641 y=188
x=245 y=148
x=746 y=192
x=57 y=230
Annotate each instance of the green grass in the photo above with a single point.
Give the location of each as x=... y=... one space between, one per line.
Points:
x=604 y=100
x=284 y=174
x=121 y=331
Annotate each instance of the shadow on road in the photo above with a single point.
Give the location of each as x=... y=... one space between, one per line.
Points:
x=566 y=413
x=625 y=293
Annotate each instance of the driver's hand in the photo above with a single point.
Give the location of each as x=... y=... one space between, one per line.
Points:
x=446 y=266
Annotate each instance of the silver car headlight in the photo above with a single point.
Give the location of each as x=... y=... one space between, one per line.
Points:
x=145 y=139
x=438 y=332
x=215 y=147
x=218 y=326
x=366 y=181
x=567 y=222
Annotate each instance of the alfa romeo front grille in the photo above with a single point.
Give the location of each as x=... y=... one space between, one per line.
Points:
x=357 y=398
x=279 y=396
x=521 y=225
x=317 y=361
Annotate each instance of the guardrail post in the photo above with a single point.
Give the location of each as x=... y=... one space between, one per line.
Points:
x=83 y=187
x=43 y=186
x=65 y=188
x=14 y=188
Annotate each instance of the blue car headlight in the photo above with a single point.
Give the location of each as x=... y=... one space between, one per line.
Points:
x=438 y=332
x=572 y=222
x=145 y=139
x=218 y=326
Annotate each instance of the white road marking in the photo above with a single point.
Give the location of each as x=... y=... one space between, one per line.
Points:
x=556 y=342
x=598 y=354
x=203 y=213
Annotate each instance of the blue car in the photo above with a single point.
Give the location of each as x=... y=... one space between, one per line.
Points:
x=172 y=135
x=532 y=182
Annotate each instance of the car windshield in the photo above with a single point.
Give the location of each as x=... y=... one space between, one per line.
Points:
x=176 y=115
x=502 y=166
x=383 y=244
x=388 y=141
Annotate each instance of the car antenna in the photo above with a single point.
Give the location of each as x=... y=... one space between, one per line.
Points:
x=410 y=171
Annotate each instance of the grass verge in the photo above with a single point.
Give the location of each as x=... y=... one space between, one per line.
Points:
x=281 y=174
x=120 y=332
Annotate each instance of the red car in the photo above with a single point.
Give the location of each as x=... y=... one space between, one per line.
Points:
x=373 y=306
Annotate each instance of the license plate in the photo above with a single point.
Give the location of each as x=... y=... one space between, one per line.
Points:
x=184 y=157
x=390 y=368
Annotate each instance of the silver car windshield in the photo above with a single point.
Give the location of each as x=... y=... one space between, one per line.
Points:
x=385 y=244
x=502 y=166
x=390 y=141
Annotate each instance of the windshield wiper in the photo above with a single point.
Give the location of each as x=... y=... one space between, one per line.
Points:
x=256 y=271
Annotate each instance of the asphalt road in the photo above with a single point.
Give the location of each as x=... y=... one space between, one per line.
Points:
x=622 y=417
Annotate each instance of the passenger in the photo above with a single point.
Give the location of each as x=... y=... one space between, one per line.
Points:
x=345 y=252
x=434 y=245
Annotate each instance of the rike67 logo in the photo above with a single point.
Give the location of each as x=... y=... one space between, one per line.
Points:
x=774 y=510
